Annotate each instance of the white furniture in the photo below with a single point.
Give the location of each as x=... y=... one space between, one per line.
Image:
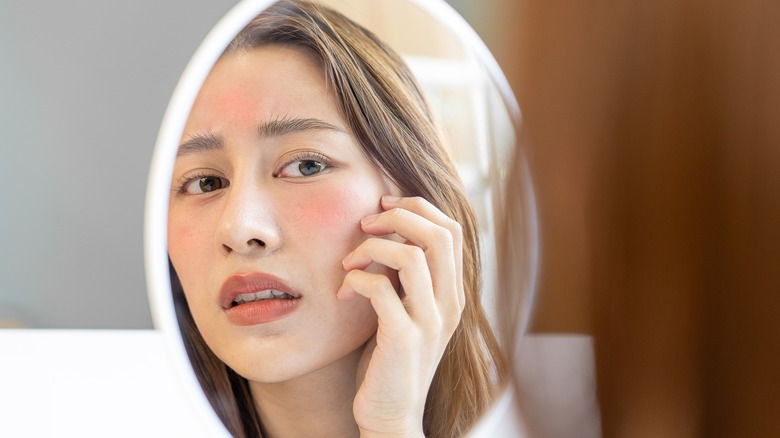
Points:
x=91 y=383
x=124 y=383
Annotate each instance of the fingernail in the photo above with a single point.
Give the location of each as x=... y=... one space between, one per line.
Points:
x=347 y=259
x=391 y=198
x=368 y=219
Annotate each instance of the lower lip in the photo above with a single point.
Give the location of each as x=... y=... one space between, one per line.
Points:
x=261 y=312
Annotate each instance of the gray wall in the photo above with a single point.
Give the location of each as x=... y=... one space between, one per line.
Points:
x=83 y=86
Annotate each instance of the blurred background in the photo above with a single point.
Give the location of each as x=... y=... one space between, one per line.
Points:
x=653 y=137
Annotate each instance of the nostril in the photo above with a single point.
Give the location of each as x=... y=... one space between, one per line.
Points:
x=251 y=245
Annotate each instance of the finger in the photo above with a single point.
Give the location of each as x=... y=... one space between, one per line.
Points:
x=392 y=316
x=413 y=273
x=425 y=209
x=422 y=224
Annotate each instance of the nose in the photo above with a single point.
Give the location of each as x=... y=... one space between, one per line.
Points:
x=247 y=224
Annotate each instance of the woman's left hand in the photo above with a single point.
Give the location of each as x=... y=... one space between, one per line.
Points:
x=399 y=362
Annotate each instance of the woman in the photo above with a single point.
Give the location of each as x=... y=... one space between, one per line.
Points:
x=326 y=250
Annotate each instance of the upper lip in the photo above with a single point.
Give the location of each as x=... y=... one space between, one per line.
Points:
x=250 y=282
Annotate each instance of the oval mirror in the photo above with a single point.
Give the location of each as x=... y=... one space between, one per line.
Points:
x=476 y=115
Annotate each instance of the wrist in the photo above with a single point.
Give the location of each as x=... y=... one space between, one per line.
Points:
x=398 y=434
x=393 y=430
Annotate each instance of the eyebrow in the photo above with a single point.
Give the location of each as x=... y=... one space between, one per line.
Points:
x=272 y=128
x=287 y=125
x=200 y=143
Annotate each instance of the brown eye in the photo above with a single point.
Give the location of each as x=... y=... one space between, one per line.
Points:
x=210 y=183
x=205 y=184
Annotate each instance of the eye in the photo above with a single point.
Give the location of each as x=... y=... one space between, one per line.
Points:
x=204 y=184
x=309 y=167
x=303 y=167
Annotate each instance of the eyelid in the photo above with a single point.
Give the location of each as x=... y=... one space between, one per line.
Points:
x=303 y=156
x=185 y=180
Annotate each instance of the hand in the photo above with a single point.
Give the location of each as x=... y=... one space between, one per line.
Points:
x=415 y=324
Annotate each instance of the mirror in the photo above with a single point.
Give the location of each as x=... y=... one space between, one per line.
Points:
x=471 y=104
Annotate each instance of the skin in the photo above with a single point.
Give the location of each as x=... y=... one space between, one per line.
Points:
x=353 y=358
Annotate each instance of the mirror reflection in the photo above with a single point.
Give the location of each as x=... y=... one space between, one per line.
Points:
x=324 y=249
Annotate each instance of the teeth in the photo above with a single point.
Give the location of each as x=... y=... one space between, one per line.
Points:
x=260 y=296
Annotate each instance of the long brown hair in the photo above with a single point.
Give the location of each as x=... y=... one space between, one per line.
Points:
x=386 y=111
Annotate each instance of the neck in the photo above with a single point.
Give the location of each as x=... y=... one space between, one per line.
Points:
x=318 y=404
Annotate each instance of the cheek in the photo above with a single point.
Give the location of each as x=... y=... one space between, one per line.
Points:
x=335 y=214
x=186 y=239
x=180 y=234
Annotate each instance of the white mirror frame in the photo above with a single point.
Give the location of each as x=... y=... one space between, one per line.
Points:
x=164 y=156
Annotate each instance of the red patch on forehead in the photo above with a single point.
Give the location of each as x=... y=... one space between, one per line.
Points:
x=235 y=103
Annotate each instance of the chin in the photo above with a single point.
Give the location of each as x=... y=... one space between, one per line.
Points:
x=269 y=365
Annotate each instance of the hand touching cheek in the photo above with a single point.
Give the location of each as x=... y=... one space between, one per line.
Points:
x=415 y=322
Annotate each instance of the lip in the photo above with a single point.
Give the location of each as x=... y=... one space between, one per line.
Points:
x=261 y=311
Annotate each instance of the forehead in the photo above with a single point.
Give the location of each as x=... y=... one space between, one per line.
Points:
x=262 y=83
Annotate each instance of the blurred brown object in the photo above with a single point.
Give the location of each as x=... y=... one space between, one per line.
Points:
x=653 y=134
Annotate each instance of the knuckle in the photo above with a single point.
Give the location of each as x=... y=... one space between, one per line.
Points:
x=418 y=201
x=445 y=241
x=397 y=213
x=414 y=253
x=380 y=283
x=443 y=235
x=454 y=228
x=377 y=282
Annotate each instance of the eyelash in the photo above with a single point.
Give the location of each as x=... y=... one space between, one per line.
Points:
x=184 y=181
x=305 y=156
x=181 y=187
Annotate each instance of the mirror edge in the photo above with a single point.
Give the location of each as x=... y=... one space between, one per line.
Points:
x=469 y=38
x=161 y=169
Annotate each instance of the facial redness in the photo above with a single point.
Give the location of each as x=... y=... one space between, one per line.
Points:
x=335 y=209
x=236 y=103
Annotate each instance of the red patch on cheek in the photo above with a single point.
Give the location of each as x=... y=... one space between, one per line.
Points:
x=337 y=212
x=177 y=240
x=184 y=238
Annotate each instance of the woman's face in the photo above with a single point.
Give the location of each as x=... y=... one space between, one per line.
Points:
x=268 y=191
